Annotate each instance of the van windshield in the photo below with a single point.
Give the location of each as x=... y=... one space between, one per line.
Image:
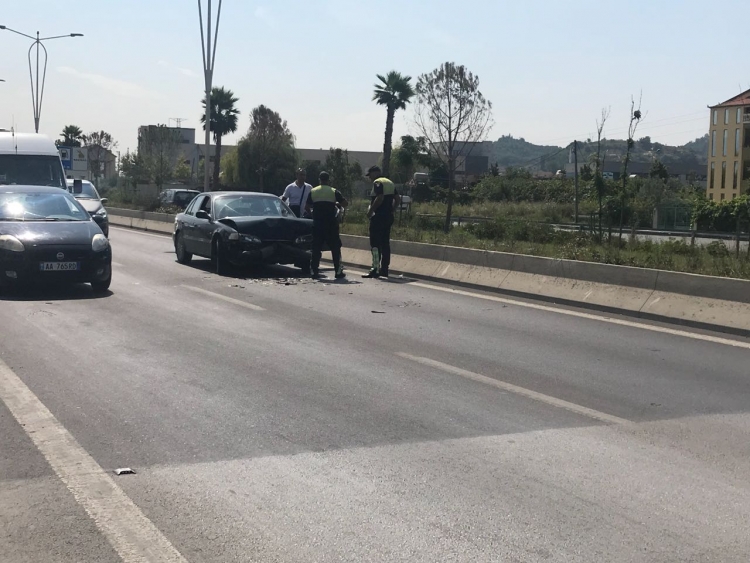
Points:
x=31 y=170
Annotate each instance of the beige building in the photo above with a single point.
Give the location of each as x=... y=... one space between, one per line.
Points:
x=728 y=174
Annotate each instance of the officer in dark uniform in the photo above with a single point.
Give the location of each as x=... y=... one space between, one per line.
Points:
x=325 y=203
x=384 y=201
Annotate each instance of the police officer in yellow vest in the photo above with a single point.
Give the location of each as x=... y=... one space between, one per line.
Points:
x=384 y=201
x=325 y=203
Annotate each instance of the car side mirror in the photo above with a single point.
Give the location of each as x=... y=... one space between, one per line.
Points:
x=202 y=214
x=77 y=186
x=104 y=200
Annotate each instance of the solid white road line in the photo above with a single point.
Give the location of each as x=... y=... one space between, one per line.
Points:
x=224 y=298
x=590 y=316
x=131 y=534
x=541 y=397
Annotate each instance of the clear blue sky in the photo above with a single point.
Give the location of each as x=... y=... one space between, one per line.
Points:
x=547 y=66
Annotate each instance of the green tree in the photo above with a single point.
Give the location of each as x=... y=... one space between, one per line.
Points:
x=312 y=170
x=100 y=145
x=266 y=155
x=224 y=117
x=659 y=170
x=71 y=136
x=230 y=173
x=344 y=174
x=393 y=91
x=159 y=152
x=454 y=116
x=410 y=155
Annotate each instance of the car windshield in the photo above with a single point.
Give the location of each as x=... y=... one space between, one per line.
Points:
x=31 y=170
x=87 y=191
x=41 y=207
x=249 y=206
x=183 y=198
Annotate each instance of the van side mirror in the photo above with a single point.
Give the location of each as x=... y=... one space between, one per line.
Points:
x=104 y=200
x=77 y=186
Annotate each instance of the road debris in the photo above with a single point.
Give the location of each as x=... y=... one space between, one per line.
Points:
x=124 y=471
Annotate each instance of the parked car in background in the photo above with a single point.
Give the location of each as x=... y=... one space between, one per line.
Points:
x=47 y=235
x=177 y=197
x=89 y=198
x=242 y=229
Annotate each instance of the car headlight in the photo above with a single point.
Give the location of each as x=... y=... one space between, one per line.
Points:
x=234 y=236
x=99 y=243
x=101 y=213
x=9 y=242
x=303 y=239
x=251 y=239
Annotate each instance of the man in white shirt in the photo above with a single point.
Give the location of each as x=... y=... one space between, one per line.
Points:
x=296 y=193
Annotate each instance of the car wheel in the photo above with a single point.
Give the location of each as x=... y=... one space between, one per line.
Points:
x=183 y=256
x=219 y=258
x=101 y=286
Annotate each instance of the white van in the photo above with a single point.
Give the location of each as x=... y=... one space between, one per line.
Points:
x=30 y=159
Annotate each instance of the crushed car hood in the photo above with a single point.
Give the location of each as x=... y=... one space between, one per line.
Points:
x=270 y=228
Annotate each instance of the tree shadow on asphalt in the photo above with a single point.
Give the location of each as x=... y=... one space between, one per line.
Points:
x=52 y=292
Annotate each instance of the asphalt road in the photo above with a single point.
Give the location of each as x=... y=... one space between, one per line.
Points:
x=283 y=419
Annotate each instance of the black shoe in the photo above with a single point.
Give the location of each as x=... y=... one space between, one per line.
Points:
x=384 y=273
x=340 y=276
x=371 y=274
x=317 y=275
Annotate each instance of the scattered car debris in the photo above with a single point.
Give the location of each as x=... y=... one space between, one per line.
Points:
x=379 y=312
x=124 y=471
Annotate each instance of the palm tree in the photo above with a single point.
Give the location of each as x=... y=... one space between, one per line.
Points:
x=72 y=135
x=394 y=91
x=223 y=121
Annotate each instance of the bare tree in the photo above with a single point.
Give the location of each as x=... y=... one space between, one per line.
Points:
x=453 y=115
x=599 y=184
x=635 y=119
x=99 y=151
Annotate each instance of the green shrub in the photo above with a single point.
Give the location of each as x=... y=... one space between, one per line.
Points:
x=717 y=249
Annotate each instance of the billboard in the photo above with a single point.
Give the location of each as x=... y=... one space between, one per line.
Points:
x=66 y=156
x=80 y=159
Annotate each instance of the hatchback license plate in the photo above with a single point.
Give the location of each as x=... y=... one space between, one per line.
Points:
x=59 y=266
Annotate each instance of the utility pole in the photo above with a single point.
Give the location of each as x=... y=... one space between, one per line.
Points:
x=575 y=163
x=209 y=58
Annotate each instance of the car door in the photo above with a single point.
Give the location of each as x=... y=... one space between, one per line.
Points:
x=189 y=227
x=204 y=228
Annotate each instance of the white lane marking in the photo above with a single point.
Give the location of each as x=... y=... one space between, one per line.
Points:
x=142 y=233
x=541 y=397
x=621 y=322
x=131 y=534
x=117 y=264
x=224 y=298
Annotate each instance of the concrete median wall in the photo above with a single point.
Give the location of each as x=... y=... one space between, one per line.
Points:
x=713 y=302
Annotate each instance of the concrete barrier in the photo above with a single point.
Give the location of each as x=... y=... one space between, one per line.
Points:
x=695 y=300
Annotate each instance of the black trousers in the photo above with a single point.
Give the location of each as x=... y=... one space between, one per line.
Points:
x=326 y=233
x=380 y=238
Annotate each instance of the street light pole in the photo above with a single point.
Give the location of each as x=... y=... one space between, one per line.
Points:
x=209 y=58
x=37 y=93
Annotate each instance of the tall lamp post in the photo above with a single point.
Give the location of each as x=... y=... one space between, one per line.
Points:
x=37 y=93
x=209 y=57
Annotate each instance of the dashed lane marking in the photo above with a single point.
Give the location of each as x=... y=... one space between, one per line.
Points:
x=244 y=304
x=541 y=397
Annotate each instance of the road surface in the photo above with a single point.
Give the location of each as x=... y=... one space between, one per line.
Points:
x=289 y=420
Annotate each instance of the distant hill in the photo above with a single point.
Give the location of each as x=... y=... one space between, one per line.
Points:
x=510 y=151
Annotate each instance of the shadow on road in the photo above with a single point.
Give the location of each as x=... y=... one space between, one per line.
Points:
x=50 y=292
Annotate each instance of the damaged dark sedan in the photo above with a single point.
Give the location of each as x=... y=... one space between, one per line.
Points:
x=241 y=229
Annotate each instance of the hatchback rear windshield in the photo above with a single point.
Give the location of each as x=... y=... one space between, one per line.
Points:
x=31 y=170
